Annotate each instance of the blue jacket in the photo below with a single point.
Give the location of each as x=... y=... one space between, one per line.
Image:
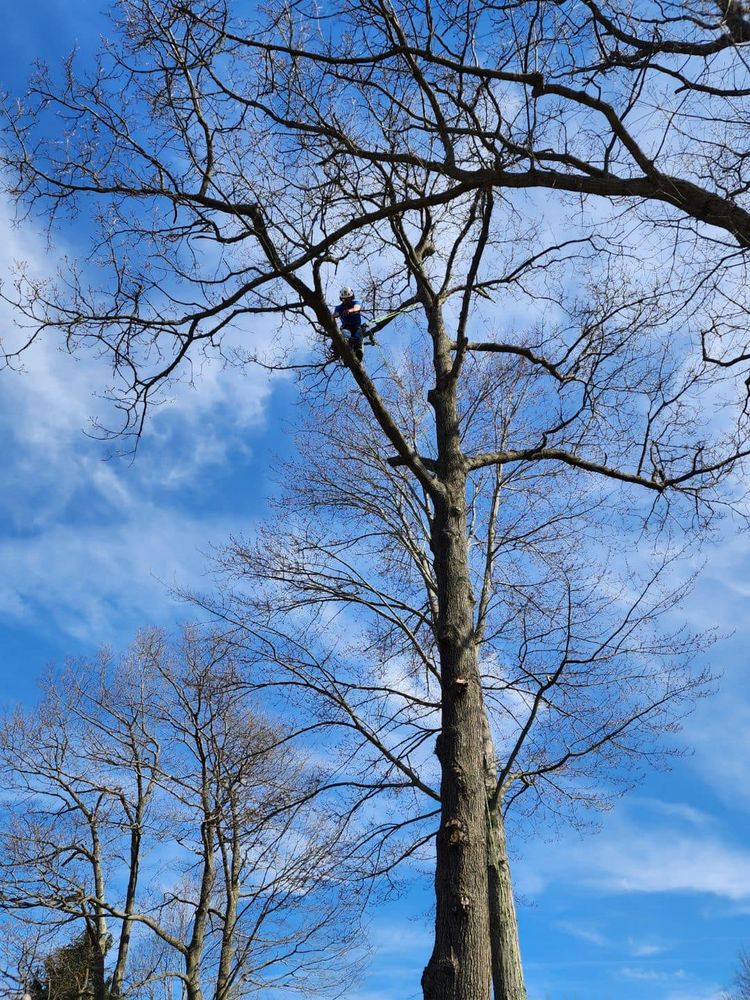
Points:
x=350 y=322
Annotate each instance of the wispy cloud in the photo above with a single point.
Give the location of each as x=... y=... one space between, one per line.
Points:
x=403 y=950
x=98 y=583
x=87 y=545
x=648 y=861
x=720 y=733
x=644 y=975
x=678 y=811
x=645 y=949
x=640 y=852
x=705 y=993
x=583 y=932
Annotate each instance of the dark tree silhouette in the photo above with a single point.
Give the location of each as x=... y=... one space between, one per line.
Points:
x=73 y=971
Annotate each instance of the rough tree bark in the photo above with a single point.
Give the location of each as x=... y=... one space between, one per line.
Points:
x=476 y=929
x=507 y=969
x=460 y=965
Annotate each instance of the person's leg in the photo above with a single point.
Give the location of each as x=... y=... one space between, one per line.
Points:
x=355 y=341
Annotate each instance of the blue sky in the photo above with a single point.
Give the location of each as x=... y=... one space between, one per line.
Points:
x=654 y=905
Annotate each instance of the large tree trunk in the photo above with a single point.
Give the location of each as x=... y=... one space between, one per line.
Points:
x=98 y=928
x=194 y=956
x=459 y=968
x=507 y=971
x=231 y=852
x=97 y=968
x=123 y=948
x=460 y=965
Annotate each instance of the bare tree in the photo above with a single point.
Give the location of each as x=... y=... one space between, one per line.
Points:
x=151 y=811
x=68 y=972
x=741 y=983
x=335 y=603
x=230 y=167
x=22 y=951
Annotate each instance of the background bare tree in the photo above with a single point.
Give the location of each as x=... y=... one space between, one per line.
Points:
x=68 y=972
x=154 y=815
x=741 y=984
x=22 y=952
x=231 y=166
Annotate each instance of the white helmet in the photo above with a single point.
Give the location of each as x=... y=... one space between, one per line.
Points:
x=346 y=292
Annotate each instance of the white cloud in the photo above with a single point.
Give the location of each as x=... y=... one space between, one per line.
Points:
x=99 y=582
x=636 y=852
x=650 y=861
x=645 y=949
x=679 y=811
x=402 y=951
x=720 y=734
x=706 y=993
x=85 y=543
x=644 y=975
x=397 y=939
x=584 y=933
x=719 y=730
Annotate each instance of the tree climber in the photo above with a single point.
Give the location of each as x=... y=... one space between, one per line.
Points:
x=349 y=313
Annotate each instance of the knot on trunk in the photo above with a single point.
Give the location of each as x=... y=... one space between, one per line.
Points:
x=451 y=634
x=458 y=773
x=439 y=971
x=459 y=685
x=461 y=904
x=457 y=832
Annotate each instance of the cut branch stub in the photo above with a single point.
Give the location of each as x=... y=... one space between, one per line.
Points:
x=457 y=832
